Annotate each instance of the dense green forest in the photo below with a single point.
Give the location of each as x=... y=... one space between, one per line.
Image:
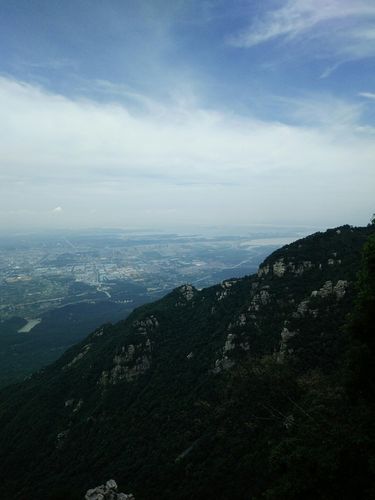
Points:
x=23 y=353
x=257 y=388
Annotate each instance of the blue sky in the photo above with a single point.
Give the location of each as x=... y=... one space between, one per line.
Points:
x=157 y=113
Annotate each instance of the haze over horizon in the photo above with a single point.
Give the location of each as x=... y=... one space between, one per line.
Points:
x=161 y=113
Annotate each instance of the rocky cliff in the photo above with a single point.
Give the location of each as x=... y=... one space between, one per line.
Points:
x=107 y=491
x=203 y=394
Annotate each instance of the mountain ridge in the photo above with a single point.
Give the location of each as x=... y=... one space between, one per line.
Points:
x=202 y=386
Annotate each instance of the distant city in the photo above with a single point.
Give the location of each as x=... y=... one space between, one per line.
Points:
x=56 y=288
x=42 y=272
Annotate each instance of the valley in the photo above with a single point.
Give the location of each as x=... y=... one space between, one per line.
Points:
x=56 y=287
x=256 y=387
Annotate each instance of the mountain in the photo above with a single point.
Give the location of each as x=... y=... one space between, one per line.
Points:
x=248 y=389
x=23 y=353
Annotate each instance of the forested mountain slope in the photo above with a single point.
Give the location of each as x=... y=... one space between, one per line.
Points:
x=248 y=389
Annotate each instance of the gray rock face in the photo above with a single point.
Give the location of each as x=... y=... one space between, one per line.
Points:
x=328 y=289
x=61 y=438
x=122 y=371
x=131 y=360
x=187 y=291
x=147 y=325
x=279 y=268
x=285 y=336
x=186 y=294
x=107 y=492
x=340 y=288
x=263 y=271
x=79 y=356
x=225 y=288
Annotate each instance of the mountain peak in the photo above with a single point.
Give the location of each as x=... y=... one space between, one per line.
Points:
x=200 y=384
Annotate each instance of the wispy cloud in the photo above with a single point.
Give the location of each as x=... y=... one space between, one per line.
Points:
x=322 y=112
x=330 y=70
x=367 y=95
x=50 y=64
x=347 y=25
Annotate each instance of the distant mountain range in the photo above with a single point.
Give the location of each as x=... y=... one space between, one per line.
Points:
x=256 y=388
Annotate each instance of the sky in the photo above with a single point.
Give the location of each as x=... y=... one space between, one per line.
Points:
x=159 y=113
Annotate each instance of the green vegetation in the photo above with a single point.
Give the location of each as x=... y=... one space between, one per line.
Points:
x=23 y=353
x=68 y=284
x=259 y=388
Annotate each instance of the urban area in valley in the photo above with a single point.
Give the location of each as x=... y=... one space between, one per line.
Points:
x=55 y=288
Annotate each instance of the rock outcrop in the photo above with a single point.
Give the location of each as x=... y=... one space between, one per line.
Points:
x=107 y=491
x=226 y=382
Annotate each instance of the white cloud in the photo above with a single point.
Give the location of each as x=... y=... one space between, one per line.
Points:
x=346 y=26
x=367 y=95
x=57 y=210
x=330 y=69
x=179 y=164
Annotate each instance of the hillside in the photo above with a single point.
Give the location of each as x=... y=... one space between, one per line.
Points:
x=235 y=391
